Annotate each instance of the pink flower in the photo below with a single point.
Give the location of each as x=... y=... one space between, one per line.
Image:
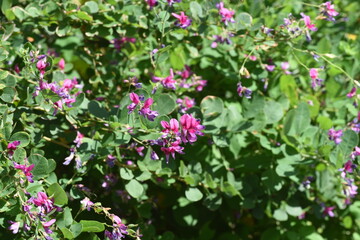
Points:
x=315 y=80
x=335 y=135
x=86 y=203
x=183 y=21
x=14 y=227
x=171 y=127
x=329 y=11
x=44 y=202
x=355 y=153
x=146 y=112
x=226 y=14
x=139 y=150
x=26 y=170
x=168 y=82
x=61 y=64
x=171 y=2
x=151 y=3
x=41 y=65
x=190 y=127
x=270 y=68
x=352 y=93
x=69 y=84
x=79 y=138
x=307 y=22
x=135 y=101
x=328 y=211
x=12 y=147
x=174 y=147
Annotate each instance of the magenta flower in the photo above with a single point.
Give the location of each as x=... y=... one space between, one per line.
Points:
x=168 y=82
x=174 y=147
x=185 y=74
x=61 y=64
x=270 y=68
x=226 y=14
x=47 y=225
x=355 y=153
x=151 y=3
x=285 y=66
x=135 y=101
x=182 y=21
x=307 y=22
x=26 y=170
x=41 y=66
x=243 y=91
x=329 y=11
x=185 y=104
x=139 y=150
x=315 y=80
x=12 y=147
x=350 y=189
x=14 y=227
x=69 y=84
x=171 y=127
x=190 y=127
x=171 y=2
x=352 y=93
x=146 y=112
x=86 y=203
x=328 y=211
x=79 y=138
x=335 y=135
x=44 y=202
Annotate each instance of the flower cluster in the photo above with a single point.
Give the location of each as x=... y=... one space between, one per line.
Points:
x=182 y=21
x=335 y=135
x=185 y=104
x=315 y=80
x=78 y=141
x=119 y=43
x=184 y=79
x=243 y=91
x=145 y=110
x=174 y=134
x=328 y=10
x=226 y=14
x=349 y=187
x=26 y=170
x=221 y=40
x=40 y=212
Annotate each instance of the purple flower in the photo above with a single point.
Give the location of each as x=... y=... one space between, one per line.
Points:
x=135 y=101
x=12 y=147
x=79 y=138
x=14 y=227
x=170 y=150
x=110 y=160
x=190 y=127
x=151 y=3
x=154 y=156
x=171 y=2
x=182 y=21
x=243 y=91
x=86 y=203
x=329 y=11
x=270 y=68
x=335 y=135
x=315 y=80
x=307 y=22
x=352 y=93
x=226 y=14
x=328 y=211
x=146 y=112
x=26 y=170
x=355 y=153
x=42 y=201
x=70 y=157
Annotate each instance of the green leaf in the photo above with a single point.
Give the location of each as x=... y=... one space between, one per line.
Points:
x=196 y=9
x=43 y=166
x=93 y=6
x=243 y=21
x=8 y=94
x=67 y=233
x=76 y=229
x=58 y=193
x=92 y=226
x=97 y=110
x=64 y=219
x=350 y=139
x=289 y=88
x=280 y=215
x=19 y=155
x=5 y=5
x=212 y=106
x=134 y=188
x=23 y=137
x=297 y=120
x=273 y=111
x=193 y=194
x=126 y=174
x=324 y=122
x=271 y=180
x=164 y=104
x=293 y=211
x=84 y=16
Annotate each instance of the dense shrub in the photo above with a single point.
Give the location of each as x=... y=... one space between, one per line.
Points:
x=176 y=119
